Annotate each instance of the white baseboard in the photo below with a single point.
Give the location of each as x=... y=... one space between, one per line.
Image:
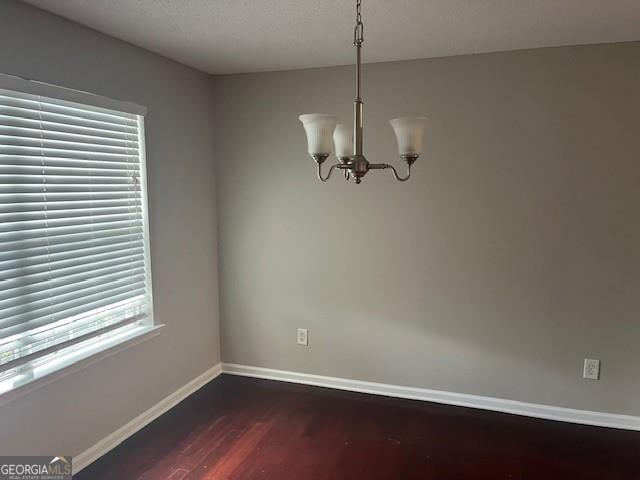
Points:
x=547 y=412
x=116 y=438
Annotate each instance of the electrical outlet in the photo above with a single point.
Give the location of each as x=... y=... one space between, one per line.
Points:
x=303 y=337
x=591 y=369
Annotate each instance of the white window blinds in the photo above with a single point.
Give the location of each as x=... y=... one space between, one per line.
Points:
x=73 y=237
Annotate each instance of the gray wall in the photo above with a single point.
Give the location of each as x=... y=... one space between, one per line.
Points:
x=73 y=413
x=510 y=256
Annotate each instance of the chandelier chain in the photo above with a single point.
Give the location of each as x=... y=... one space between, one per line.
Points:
x=358 y=33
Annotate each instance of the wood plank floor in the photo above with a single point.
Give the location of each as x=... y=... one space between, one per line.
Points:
x=240 y=428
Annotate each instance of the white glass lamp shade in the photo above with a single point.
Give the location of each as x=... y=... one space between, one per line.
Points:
x=343 y=140
x=409 y=133
x=319 y=128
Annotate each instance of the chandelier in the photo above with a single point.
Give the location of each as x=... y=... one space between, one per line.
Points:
x=322 y=128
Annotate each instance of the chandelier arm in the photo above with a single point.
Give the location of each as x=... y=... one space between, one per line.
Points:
x=385 y=166
x=333 y=167
x=398 y=177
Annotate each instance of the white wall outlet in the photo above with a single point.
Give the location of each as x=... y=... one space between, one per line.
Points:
x=303 y=337
x=591 y=369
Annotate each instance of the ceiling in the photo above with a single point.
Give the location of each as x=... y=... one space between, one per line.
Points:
x=231 y=36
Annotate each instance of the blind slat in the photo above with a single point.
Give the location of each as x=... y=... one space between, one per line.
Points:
x=51 y=265
x=16 y=193
x=62 y=182
x=70 y=280
x=76 y=163
x=135 y=208
x=63 y=269
x=76 y=308
x=80 y=168
x=49 y=223
x=33 y=305
x=57 y=127
x=70 y=192
x=28 y=133
x=125 y=182
x=79 y=321
x=47 y=255
x=46 y=143
x=52 y=232
x=65 y=153
x=119 y=124
x=68 y=239
x=76 y=212
x=38 y=294
x=42 y=351
x=54 y=106
x=69 y=205
x=113 y=314
x=60 y=250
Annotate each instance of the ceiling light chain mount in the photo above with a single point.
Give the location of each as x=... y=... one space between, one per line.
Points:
x=322 y=128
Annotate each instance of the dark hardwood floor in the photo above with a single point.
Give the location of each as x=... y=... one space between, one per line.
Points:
x=240 y=428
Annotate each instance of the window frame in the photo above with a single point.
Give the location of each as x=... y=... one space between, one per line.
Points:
x=67 y=359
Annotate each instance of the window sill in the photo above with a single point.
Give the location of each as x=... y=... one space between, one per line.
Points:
x=75 y=362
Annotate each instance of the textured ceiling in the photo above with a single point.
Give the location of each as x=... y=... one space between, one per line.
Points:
x=228 y=36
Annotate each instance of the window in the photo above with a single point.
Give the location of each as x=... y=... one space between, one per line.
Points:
x=74 y=252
